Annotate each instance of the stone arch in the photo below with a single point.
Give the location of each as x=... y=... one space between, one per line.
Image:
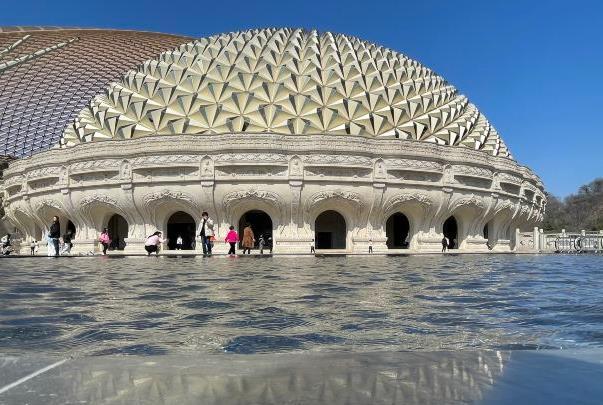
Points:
x=119 y=229
x=347 y=203
x=180 y=223
x=331 y=230
x=46 y=209
x=450 y=230
x=498 y=223
x=397 y=231
x=261 y=224
x=237 y=203
x=98 y=209
x=159 y=206
x=468 y=213
x=27 y=226
x=413 y=206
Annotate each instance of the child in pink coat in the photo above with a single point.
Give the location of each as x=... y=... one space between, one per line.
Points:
x=232 y=237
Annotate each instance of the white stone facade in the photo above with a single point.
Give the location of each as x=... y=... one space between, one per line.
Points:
x=293 y=179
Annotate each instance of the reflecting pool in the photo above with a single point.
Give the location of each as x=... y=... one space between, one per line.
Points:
x=141 y=305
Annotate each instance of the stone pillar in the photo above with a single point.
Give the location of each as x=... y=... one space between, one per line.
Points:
x=536 y=237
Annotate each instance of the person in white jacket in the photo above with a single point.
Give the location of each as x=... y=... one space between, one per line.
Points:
x=206 y=233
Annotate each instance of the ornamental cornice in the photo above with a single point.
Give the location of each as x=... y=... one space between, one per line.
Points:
x=268 y=148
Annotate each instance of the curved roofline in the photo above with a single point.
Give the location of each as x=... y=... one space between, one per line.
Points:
x=36 y=28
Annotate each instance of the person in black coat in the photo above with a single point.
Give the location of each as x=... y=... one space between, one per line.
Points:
x=54 y=234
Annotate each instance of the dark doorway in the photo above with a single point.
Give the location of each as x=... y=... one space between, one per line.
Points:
x=486 y=232
x=330 y=231
x=118 y=231
x=183 y=225
x=70 y=228
x=261 y=225
x=397 y=230
x=450 y=229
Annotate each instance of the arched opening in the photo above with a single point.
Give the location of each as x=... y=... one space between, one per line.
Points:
x=70 y=228
x=330 y=231
x=118 y=231
x=451 y=231
x=397 y=230
x=261 y=225
x=181 y=225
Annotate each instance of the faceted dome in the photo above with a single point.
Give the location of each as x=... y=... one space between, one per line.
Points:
x=285 y=81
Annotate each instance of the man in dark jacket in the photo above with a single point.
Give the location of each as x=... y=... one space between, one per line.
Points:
x=54 y=234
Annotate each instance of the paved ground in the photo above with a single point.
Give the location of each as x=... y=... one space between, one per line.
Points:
x=483 y=377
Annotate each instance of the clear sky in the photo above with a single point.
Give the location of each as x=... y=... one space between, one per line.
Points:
x=532 y=67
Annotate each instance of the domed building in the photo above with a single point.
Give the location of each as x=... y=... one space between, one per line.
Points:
x=310 y=137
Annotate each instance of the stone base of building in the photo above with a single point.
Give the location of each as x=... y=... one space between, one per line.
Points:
x=343 y=193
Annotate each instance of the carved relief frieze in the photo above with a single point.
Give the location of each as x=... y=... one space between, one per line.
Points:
x=472 y=171
x=337 y=159
x=268 y=196
x=250 y=171
x=98 y=198
x=251 y=157
x=166 y=195
x=413 y=164
x=332 y=171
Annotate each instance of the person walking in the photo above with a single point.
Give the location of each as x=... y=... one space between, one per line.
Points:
x=33 y=246
x=179 y=242
x=248 y=239
x=312 y=247
x=54 y=233
x=232 y=238
x=261 y=244
x=206 y=233
x=67 y=243
x=444 y=244
x=153 y=243
x=105 y=240
x=370 y=246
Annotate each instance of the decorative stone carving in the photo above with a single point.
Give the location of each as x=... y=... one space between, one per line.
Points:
x=98 y=198
x=338 y=159
x=414 y=164
x=207 y=168
x=166 y=195
x=251 y=157
x=379 y=171
x=125 y=171
x=49 y=203
x=296 y=168
x=468 y=201
x=235 y=196
x=334 y=195
x=405 y=198
x=473 y=171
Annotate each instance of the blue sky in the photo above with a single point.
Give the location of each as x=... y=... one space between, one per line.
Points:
x=532 y=67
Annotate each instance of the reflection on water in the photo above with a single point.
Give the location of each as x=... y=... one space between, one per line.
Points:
x=264 y=305
x=351 y=378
